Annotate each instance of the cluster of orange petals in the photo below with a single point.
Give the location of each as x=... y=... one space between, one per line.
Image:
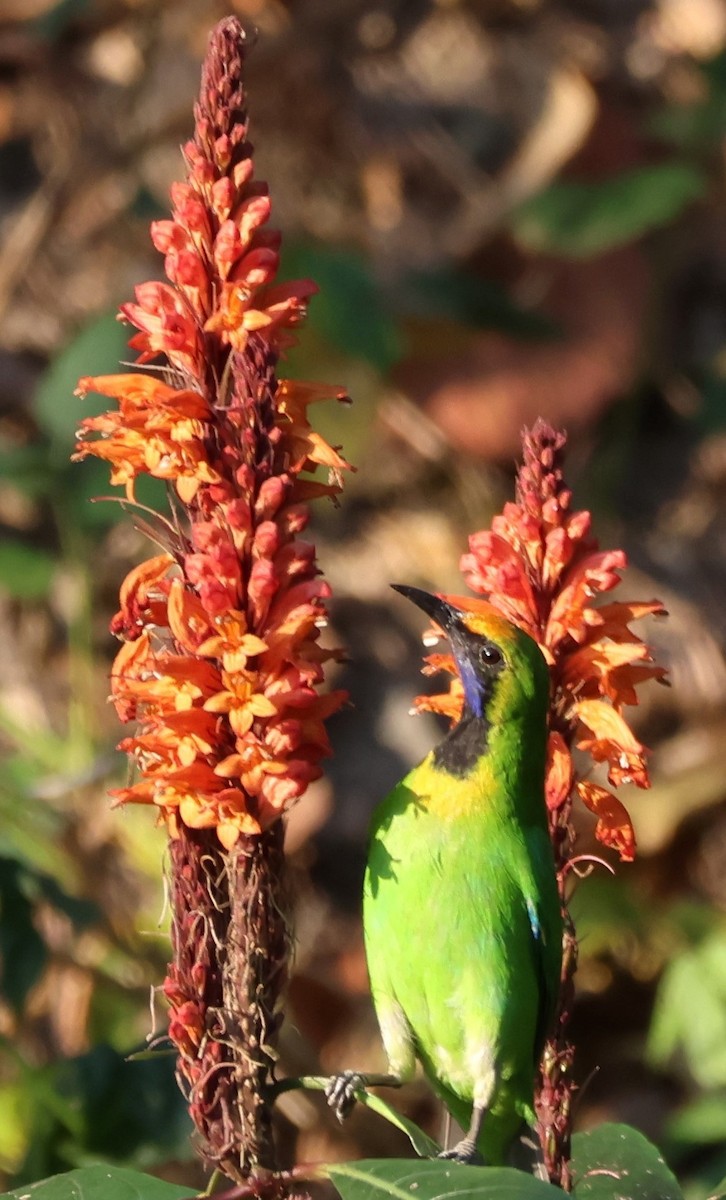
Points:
x=220 y=665
x=541 y=567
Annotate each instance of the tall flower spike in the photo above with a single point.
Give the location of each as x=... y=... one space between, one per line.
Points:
x=220 y=665
x=541 y=567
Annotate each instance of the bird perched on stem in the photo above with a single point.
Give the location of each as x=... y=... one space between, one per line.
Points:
x=462 y=920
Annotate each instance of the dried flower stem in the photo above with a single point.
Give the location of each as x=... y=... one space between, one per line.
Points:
x=230 y=903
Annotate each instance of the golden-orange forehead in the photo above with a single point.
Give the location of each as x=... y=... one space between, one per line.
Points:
x=483 y=619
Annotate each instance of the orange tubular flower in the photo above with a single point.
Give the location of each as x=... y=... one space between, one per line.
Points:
x=541 y=567
x=220 y=665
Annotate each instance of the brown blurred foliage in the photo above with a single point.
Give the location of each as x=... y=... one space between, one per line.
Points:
x=407 y=135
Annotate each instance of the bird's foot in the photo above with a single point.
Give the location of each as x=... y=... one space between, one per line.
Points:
x=464 y=1151
x=340 y=1092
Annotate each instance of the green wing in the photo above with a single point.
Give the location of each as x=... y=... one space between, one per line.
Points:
x=543 y=907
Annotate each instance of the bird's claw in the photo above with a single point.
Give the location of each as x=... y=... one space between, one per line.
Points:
x=340 y=1092
x=463 y=1152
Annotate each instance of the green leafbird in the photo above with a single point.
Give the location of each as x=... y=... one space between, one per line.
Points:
x=462 y=919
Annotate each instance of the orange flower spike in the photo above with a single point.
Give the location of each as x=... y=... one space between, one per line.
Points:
x=220 y=662
x=541 y=567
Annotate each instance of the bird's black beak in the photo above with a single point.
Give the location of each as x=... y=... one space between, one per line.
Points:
x=444 y=614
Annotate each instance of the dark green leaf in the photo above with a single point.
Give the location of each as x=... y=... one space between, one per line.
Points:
x=693 y=126
x=96 y=350
x=26 y=572
x=720 y=1191
x=348 y=311
x=53 y=23
x=615 y=1162
x=22 y=950
x=81 y=913
x=99 y=1106
x=606 y=915
x=87 y=500
x=402 y=1179
x=130 y=1109
x=711 y=414
x=702 y=124
x=101 y=1183
x=578 y=220
x=469 y=300
x=27 y=468
x=80 y=485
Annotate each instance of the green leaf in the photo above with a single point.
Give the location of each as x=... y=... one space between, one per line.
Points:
x=86 y=499
x=22 y=950
x=26 y=572
x=470 y=300
x=348 y=311
x=579 y=220
x=53 y=23
x=424 y=1146
x=720 y=1192
x=701 y=1121
x=130 y=1110
x=101 y=1183
x=615 y=1162
x=698 y=971
x=82 y=913
x=692 y=126
x=27 y=468
x=96 y=350
x=402 y=1179
x=702 y=124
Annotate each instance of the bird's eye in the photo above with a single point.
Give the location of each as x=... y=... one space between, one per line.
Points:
x=489 y=656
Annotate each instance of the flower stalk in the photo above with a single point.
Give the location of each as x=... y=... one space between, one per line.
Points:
x=541 y=567
x=220 y=666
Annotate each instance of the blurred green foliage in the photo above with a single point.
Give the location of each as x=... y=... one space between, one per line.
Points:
x=581 y=220
x=697 y=126
x=57 y=1112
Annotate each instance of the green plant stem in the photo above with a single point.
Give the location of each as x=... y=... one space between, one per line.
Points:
x=424 y=1145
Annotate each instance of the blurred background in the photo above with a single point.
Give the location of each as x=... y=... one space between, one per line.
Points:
x=513 y=208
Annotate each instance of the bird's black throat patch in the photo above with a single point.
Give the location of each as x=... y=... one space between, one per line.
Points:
x=463 y=746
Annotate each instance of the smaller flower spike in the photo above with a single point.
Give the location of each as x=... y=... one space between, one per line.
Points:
x=220 y=665
x=541 y=567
